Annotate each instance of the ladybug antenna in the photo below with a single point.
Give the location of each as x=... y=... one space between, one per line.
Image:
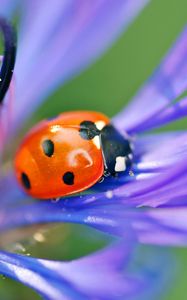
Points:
x=6 y=72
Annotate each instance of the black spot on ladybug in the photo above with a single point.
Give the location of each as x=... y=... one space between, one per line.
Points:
x=25 y=181
x=48 y=147
x=88 y=130
x=68 y=178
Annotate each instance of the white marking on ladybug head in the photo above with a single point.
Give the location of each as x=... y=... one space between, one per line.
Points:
x=74 y=155
x=100 y=124
x=96 y=141
x=120 y=165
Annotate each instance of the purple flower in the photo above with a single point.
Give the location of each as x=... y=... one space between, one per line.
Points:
x=78 y=32
x=150 y=203
x=152 y=199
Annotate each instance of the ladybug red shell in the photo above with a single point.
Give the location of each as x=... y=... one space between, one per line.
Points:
x=69 y=154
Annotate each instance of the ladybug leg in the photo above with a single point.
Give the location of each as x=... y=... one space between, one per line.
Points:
x=55 y=200
x=101 y=179
x=116 y=149
x=106 y=172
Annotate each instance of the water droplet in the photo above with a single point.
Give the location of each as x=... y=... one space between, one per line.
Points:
x=109 y=194
x=17 y=247
x=131 y=173
x=39 y=237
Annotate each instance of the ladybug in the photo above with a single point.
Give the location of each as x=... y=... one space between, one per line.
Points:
x=70 y=153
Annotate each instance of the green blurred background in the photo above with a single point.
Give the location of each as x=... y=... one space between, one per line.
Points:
x=106 y=86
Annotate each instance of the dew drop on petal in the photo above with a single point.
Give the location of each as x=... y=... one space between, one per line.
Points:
x=39 y=237
x=18 y=248
x=131 y=173
x=109 y=194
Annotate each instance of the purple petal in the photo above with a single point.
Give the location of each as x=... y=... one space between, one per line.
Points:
x=7 y=7
x=167 y=83
x=159 y=189
x=63 y=39
x=116 y=216
x=97 y=276
x=163 y=226
x=170 y=114
x=160 y=150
